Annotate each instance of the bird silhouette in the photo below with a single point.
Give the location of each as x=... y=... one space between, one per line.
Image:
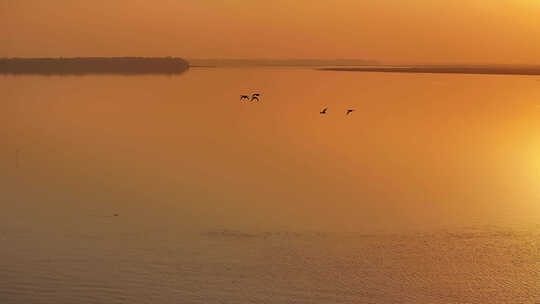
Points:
x=324 y=111
x=349 y=111
x=242 y=97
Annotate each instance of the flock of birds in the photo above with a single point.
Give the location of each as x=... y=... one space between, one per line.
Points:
x=254 y=97
x=257 y=97
x=349 y=111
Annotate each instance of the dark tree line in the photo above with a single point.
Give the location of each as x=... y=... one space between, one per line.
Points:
x=93 y=65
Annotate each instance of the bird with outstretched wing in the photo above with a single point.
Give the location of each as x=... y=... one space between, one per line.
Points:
x=255 y=97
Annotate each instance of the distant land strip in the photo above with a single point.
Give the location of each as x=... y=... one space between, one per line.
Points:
x=220 y=62
x=93 y=65
x=438 y=69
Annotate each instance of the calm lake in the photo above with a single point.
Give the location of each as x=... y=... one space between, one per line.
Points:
x=169 y=189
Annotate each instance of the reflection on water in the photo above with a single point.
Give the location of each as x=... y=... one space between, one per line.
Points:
x=222 y=200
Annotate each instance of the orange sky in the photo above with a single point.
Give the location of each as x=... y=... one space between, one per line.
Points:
x=393 y=31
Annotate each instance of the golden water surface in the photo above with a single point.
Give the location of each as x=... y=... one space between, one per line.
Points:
x=160 y=189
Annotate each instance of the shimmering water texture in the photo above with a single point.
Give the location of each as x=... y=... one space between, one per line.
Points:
x=169 y=189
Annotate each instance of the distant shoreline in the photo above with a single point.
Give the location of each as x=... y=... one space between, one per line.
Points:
x=251 y=63
x=93 y=65
x=438 y=69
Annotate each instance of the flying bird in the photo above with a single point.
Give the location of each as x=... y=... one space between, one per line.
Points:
x=242 y=97
x=324 y=111
x=349 y=111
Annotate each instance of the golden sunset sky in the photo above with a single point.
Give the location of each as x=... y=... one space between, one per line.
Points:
x=392 y=31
